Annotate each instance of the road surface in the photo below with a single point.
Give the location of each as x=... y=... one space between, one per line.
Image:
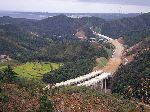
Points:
x=114 y=62
x=109 y=69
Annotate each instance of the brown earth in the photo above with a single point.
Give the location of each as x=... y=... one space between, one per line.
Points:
x=77 y=103
x=112 y=65
x=80 y=35
x=114 y=62
x=19 y=99
x=121 y=40
x=133 y=51
x=82 y=100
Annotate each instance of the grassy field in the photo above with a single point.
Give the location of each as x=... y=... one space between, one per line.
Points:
x=103 y=61
x=35 y=70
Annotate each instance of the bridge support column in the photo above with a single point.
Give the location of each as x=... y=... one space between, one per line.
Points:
x=105 y=85
x=102 y=85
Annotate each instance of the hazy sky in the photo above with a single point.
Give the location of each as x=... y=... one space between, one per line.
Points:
x=86 y=6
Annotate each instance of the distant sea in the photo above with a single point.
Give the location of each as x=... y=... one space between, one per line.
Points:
x=43 y=15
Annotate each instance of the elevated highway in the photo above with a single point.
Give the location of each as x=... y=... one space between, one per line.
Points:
x=98 y=77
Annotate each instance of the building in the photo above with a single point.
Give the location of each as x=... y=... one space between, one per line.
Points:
x=4 y=58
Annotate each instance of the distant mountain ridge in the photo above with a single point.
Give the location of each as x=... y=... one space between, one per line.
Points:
x=122 y=26
x=43 y=15
x=26 y=32
x=60 y=25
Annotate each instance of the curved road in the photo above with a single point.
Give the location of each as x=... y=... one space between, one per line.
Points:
x=93 y=77
x=112 y=65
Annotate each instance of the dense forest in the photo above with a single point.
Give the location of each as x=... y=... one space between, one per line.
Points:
x=63 y=26
x=135 y=37
x=60 y=25
x=80 y=59
x=118 y=27
x=70 y=70
x=51 y=40
x=26 y=39
x=133 y=80
x=24 y=46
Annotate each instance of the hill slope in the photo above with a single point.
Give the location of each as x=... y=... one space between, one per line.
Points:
x=118 y=27
x=133 y=79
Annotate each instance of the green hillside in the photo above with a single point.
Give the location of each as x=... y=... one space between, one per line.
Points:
x=118 y=27
x=133 y=80
x=135 y=37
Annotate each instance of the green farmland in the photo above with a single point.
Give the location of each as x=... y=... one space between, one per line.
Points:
x=35 y=70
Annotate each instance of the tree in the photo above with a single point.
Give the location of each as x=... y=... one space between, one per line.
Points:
x=133 y=80
x=1 y=76
x=9 y=74
x=45 y=104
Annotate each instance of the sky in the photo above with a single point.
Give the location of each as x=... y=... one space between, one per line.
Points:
x=77 y=6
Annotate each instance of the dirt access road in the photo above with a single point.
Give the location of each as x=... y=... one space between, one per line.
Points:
x=115 y=61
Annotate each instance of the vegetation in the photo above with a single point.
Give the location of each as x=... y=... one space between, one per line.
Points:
x=24 y=46
x=60 y=25
x=102 y=62
x=28 y=95
x=133 y=80
x=45 y=104
x=36 y=43
x=8 y=75
x=50 y=40
x=125 y=25
x=82 y=99
x=35 y=70
x=134 y=37
x=70 y=70
x=12 y=63
x=18 y=94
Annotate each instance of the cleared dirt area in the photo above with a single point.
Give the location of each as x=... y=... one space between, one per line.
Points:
x=112 y=65
x=115 y=61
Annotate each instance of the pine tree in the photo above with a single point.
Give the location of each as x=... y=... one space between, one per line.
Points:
x=9 y=74
x=45 y=104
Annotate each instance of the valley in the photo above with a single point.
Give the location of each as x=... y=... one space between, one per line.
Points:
x=69 y=64
x=91 y=79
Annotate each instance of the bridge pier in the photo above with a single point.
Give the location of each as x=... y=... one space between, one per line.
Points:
x=105 y=81
x=101 y=85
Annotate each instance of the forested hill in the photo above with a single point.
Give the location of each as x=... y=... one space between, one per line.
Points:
x=53 y=40
x=16 y=21
x=19 y=44
x=24 y=46
x=118 y=27
x=134 y=37
x=58 y=25
x=29 y=37
x=62 y=25
x=133 y=79
x=26 y=39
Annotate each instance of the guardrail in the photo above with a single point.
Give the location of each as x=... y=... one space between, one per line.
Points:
x=79 y=79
